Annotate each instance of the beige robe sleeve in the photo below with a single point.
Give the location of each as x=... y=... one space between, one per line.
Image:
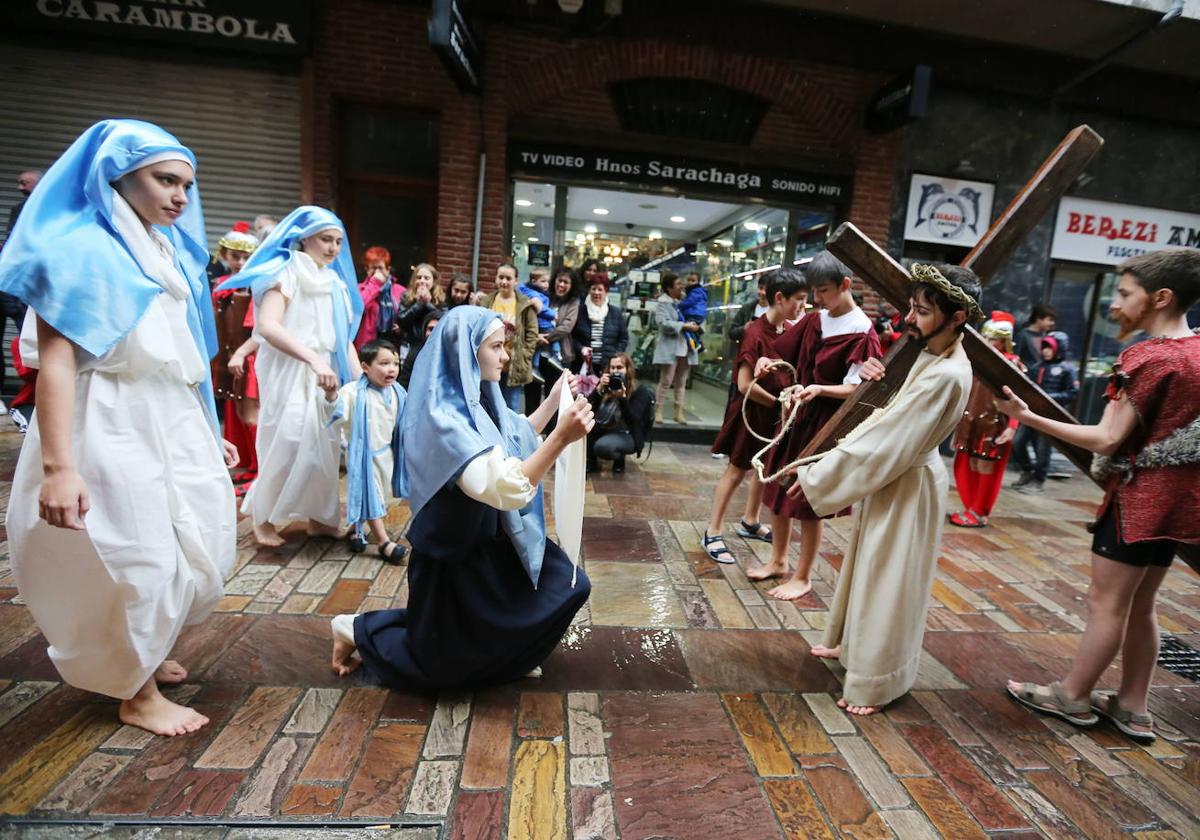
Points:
x=902 y=435
x=497 y=481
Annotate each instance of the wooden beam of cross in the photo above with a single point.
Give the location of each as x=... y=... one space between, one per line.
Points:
x=868 y=261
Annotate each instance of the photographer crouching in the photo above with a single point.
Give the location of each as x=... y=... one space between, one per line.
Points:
x=624 y=414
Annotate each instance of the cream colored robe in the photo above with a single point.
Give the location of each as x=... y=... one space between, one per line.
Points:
x=891 y=463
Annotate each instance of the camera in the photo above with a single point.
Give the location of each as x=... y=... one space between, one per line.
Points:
x=616 y=382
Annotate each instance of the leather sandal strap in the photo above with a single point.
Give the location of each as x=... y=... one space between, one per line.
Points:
x=1069 y=706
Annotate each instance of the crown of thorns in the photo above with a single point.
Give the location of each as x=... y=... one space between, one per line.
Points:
x=922 y=273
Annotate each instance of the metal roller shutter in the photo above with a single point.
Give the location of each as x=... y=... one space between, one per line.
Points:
x=243 y=125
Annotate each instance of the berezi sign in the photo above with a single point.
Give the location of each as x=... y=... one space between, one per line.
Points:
x=1106 y=233
x=948 y=211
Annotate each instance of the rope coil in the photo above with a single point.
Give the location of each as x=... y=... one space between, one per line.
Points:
x=787 y=419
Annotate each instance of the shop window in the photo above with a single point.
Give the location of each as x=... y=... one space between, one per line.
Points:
x=692 y=109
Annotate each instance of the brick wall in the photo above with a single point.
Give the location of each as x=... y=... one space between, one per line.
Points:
x=378 y=53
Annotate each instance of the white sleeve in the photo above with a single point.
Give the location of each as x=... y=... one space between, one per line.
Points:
x=852 y=376
x=342 y=406
x=497 y=481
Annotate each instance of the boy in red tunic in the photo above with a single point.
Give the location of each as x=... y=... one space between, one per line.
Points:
x=827 y=349
x=1148 y=448
x=786 y=292
x=983 y=440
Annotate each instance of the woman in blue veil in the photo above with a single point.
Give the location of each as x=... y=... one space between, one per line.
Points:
x=306 y=309
x=121 y=523
x=489 y=596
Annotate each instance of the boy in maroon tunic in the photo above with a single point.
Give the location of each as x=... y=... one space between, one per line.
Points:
x=1148 y=448
x=786 y=293
x=827 y=349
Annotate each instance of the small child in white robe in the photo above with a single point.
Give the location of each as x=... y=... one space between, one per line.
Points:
x=368 y=412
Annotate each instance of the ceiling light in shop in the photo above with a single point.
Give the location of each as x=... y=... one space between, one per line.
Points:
x=656 y=234
x=528 y=224
x=724 y=243
x=751 y=225
x=533 y=239
x=589 y=228
x=699 y=253
x=678 y=219
x=600 y=211
x=779 y=249
x=523 y=202
x=579 y=237
x=738 y=255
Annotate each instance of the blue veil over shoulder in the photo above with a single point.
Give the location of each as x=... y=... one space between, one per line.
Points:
x=451 y=417
x=65 y=258
x=279 y=248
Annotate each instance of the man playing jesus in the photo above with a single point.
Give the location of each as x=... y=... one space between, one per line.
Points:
x=877 y=618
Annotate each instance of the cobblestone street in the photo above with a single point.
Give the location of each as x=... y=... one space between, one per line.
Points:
x=683 y=703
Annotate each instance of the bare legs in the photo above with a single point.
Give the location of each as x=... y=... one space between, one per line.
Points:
x=375 y=526
x=800 y=583
x=754 y=494
x=1121 y=617
x=266 y=534
x=781 y=538
x=149 y=710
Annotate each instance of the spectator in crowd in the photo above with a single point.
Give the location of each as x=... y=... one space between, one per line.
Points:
x=517 y=313
x=406 y=369
x=26 y=181
x=673 y=354
x=750 y=311
x=263 y=225
x=381 y=294
x=22 y=405
x=460 y=291
x=624 y=413
x=538 y=291
x=1060 y=380
x=11 y=308
x=694 y=308
x=424 y=295
x=599 y=327
x=564 y=297
x=1029 y=341
x=590 y=270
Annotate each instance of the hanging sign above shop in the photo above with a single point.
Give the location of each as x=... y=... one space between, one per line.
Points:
x=1106 y=233
x=900 y=101
x=455 y=44
x=266 y=27
x=687 y=175
x=947 y=211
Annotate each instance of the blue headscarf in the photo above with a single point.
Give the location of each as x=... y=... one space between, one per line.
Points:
x=279 y=249
x=363 y=502
x=452 y=417
x=66 y=259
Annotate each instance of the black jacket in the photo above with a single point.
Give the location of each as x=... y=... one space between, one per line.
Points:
x=637 y=410
x=614 y=339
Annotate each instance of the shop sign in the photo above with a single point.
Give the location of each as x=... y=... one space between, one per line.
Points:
x=277 y=27
x=900 y=101
x=681 y=173
x=948 y=211
x=1106 y=233
x=455 y=44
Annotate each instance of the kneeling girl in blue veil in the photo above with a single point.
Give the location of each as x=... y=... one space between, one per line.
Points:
x=489 y=596
x=121 y=522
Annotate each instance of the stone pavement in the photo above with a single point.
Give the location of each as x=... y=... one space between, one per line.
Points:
x=683 y=703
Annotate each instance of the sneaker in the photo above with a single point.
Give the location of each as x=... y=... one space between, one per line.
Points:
x=1032 y=488
x=1025 y=478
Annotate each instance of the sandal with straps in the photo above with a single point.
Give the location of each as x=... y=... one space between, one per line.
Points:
x=1105 y=703
x=395 y=554
x=968 y=519
x=1075 y=712
x=757 y=531
x=720 y=555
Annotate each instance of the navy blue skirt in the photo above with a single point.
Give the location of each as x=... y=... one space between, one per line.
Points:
x=472 y=621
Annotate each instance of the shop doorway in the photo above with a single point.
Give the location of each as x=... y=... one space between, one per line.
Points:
x=637 y=236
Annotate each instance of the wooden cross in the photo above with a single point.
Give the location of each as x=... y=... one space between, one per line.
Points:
x=891 y=281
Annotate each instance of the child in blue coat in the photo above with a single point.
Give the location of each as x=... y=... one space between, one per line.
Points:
x=694 y=308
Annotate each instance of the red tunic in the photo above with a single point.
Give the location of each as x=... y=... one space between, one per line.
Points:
x=818 y=361
x=733 y=439
x=1161 y=379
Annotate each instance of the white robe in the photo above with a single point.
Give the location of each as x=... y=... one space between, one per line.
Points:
x=891 y=463
x=161 y=533
x=297 y=453
x=381 y=423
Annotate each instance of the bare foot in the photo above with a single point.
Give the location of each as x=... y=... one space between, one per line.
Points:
x=345 y=660
x=861 y=711
x=151 y=711
x=793 y=590
x=766 y=571
x=826 y=652
x=320 y=529
x=170 y=672
x=266 y=535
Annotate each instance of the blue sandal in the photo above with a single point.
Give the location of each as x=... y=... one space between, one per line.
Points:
x=757 y=531
x=720 y=555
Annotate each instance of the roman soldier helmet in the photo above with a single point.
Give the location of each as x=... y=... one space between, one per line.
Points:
x=239 y=239
x=1001 y=325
